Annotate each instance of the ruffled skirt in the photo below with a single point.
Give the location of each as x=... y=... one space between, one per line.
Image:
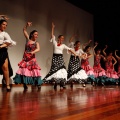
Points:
x=3 y=57
x=118 y=72
x=75 y=72
x=99 y=71
x=112 y=76
x=58 y=69
x=89 y=71
x=28 y=73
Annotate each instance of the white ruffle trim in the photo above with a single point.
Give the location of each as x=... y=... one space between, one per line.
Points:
x=62 y=73
x=12 y=43
x=80 y=75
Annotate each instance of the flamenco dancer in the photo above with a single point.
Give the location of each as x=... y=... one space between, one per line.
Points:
x=4 y=17
x=58 y=73
x=85 y=62
x=99 y=72
x=5 y=42
x=29 y=70
x=109 y=67
x=118 y=59
x=75 y=72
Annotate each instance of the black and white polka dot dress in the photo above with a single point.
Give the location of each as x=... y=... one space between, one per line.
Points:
x=58 y=70
x=75 y=72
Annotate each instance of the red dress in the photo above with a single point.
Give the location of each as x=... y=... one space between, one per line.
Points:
x=86 y=66
x=118 y=71
x=29 y=70
x=89 y=70
x=110 y=72
x=98 y=70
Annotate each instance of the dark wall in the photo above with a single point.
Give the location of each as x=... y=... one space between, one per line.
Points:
x=106 y=27
x=106 y=20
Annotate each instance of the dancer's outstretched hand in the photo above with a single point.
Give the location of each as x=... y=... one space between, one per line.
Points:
x=5 y=17
x=29 y=24
x=53 y=25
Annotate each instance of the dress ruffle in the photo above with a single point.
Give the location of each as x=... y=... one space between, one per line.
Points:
x=75 y=72
x=28 y=72
x=91 y=78
x=118 y=72
x=112 y=74
x=99 y=72
x=21 y=79
x=60 y=74
x=30 y=65
x=57 y=70
x=88 y=69
x=79 y=75
x=101 y=79
x=111 y=80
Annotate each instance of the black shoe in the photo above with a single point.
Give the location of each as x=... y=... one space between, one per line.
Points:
x=64 y=87
x=39 y=87
x=55 y=85
x=62 y=83
x=71 y=83
x=25 y=87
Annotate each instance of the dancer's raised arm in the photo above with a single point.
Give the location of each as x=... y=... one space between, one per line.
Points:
x=53 y=27
x=116 y=54
x=115 y=61
x=5 y=17
x=30 y=69
x=86 y=44
x=28 y=24
x=104 y=51
x=72 y=37
x=94 y=48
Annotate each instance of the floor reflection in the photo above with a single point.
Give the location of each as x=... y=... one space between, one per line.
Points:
x=48 y=103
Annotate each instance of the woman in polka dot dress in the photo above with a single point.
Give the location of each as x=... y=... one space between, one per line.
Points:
x=57 y=73
x=75 y=72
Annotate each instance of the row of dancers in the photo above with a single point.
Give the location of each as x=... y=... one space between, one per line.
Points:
x=79 y=69
x=96 y=75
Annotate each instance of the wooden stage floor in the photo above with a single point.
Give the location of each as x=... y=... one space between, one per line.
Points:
x=88 y=103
